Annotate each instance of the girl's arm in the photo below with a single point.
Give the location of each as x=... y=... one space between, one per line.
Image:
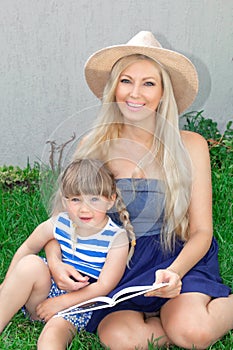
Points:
x=109 y=277
x=34 y=243
x=65 y=275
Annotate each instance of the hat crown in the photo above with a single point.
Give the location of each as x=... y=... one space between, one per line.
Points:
x=144 y=38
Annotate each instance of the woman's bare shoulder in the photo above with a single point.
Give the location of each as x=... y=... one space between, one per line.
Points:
x=193 y=141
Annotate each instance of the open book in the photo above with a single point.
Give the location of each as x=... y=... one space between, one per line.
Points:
x=102 y=302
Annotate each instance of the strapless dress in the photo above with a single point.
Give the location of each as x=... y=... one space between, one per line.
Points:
x=145 y=200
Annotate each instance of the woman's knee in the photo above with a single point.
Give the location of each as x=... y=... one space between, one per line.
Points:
x=127 y=330
x=188 y=332
x=112 y=332
x=191 y=336
x=185 y=321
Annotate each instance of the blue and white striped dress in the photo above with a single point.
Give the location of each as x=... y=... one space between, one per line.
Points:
x=90 y=253
x=88 y=257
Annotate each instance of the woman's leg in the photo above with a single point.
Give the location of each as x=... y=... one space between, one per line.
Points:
x=56 y=335
x=28 y=284
x=193 y=319
x=125 y=330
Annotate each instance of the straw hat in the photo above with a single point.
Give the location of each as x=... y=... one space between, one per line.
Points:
x=181 y=70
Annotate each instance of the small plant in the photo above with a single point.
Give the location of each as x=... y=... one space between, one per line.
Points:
x=13 y=176
x=206 y=127
x=54 y=148
x=220 y=145
x=41 y=175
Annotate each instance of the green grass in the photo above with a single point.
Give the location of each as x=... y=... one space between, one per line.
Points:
x=22 y=209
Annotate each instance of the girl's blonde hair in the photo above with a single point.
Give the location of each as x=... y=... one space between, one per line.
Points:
x=167 y=148
x=93 y=177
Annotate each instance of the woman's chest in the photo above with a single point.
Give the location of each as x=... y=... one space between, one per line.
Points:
x=129 y=159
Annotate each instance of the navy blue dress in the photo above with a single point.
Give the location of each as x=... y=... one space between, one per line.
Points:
x=145 y=202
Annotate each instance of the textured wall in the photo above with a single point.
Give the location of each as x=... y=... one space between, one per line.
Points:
x=44 y=45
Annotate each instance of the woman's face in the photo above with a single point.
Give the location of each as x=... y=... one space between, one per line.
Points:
x=139 y=90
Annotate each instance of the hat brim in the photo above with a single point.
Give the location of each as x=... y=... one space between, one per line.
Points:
x=181 y=70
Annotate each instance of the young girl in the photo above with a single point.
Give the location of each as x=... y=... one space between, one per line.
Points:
x=90 y=243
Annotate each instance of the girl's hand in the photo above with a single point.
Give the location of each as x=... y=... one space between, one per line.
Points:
x=48 y=308
x=68 y=278
x=65 y=275
x=170 y=291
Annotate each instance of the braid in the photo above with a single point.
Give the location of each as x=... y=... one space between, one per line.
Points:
x=124 y=217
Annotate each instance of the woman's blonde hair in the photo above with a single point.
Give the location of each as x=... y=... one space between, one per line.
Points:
x=93 y=177
x=167 y=148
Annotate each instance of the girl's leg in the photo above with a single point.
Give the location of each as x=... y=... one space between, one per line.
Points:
x=193 y=319
x=125 y=330
x=28 y=284
x=56 y=335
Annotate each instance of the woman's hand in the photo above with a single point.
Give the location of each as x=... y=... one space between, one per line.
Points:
x=170 y=291
x=68 y=278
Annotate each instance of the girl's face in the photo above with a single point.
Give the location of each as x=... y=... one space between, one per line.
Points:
x=139 y=91
x=88 y=212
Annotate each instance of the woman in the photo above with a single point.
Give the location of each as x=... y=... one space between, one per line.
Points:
x=165 y=178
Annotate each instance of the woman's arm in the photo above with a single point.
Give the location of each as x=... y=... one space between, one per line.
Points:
x=200 y=218
x=200 y=209
x=109 y=277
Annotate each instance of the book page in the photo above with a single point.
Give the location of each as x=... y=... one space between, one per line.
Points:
x=103 y=302
x=87 y=307
x=131 y=292
x=90 y=304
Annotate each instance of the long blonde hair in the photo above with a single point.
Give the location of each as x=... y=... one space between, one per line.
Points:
x=167 y=149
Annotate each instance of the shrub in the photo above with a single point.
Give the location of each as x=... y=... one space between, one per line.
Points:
x=220 y=145
x=14 y=176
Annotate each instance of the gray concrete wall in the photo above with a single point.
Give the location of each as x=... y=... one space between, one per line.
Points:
x=45 y=43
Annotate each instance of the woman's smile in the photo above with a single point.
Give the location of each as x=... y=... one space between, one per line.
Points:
x=139 y=89
x=135 y=106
